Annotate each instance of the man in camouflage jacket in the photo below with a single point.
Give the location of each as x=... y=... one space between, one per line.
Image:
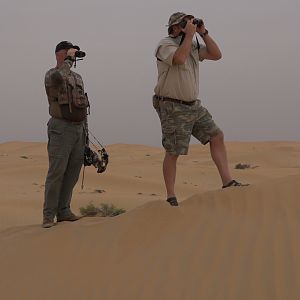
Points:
x=66 y=134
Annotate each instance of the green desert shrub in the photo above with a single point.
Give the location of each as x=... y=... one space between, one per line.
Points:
x=89 y=210
x=109 y=210
x=105 y=210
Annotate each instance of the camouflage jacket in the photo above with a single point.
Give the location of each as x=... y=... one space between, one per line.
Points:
x=65 y=92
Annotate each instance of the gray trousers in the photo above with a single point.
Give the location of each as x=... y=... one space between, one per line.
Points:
x=66 y=142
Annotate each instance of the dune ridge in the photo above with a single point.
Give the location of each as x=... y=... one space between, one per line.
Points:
x=133 y=176
x=238 y=243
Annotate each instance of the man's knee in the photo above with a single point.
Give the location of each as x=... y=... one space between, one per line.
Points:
x=218 y=138
x=171 y=156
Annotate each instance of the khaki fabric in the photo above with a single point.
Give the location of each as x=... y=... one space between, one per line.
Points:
x=177 y=81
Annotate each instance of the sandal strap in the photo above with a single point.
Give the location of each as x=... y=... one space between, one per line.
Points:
x=234 y=183
x=173 y=201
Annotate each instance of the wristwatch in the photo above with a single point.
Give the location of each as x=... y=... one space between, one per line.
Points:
x=204 y=33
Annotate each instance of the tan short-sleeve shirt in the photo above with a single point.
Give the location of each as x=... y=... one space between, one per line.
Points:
x=177 y=81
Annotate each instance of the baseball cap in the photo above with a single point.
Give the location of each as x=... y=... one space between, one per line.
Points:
x=177 y=17
x=65 y=45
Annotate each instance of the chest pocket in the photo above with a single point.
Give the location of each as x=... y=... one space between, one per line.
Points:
x=79 y=98
x=72 y=93
x=62 y=93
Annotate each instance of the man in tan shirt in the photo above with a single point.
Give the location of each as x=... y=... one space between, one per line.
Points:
x=175 y=100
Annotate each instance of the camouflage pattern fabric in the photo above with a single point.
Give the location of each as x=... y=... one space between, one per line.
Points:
x=177 y=17
x=65 y=92
x=180 y=121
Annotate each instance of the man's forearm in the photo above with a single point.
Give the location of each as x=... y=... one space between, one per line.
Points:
x=62 y=71
x=183 y=51
x=67 y=65
x=212 y=49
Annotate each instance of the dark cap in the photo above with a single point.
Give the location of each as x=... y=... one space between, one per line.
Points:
x=65 y=45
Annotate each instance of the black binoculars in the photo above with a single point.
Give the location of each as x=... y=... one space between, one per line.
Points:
x=79 y=54
x=196 y=21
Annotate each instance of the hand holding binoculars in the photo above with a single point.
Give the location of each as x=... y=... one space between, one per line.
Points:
x=196 y=21
x=76 y=52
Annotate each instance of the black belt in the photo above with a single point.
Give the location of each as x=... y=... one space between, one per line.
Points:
x=69 y=121
x=175 y=100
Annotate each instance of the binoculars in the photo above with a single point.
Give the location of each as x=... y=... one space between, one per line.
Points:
x=79 y=53
x=196 y=21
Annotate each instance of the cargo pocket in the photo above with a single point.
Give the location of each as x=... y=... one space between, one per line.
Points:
x=78 y=96
x=62 y=95
x=155 y=103
x=169 y=138
x=56 y=130
x=56 y=143
x=167 y=106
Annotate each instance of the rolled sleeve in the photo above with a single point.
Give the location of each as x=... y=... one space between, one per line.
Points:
x=166 y=53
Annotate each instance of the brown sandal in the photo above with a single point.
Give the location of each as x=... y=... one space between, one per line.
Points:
x=234 y=183
x=172 y=201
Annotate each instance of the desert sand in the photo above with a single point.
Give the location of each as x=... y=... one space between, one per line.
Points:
x=237 y=244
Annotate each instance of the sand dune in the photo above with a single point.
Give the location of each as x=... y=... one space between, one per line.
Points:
x=238 y=243
x=133 y=177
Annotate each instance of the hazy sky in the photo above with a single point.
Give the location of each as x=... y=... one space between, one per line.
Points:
x=252 y=93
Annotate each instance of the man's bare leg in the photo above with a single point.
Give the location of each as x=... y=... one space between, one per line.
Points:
x=169 y=171
x=219 y=156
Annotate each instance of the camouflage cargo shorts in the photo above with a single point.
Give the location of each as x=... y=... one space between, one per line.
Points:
x=180 y=121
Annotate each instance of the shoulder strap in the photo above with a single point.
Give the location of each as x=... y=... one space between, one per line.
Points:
x=198 y=44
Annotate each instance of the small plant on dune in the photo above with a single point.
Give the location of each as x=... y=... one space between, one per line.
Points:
x=109 y=210
x=89 y=210
x=105 y=210
x=241 y=166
